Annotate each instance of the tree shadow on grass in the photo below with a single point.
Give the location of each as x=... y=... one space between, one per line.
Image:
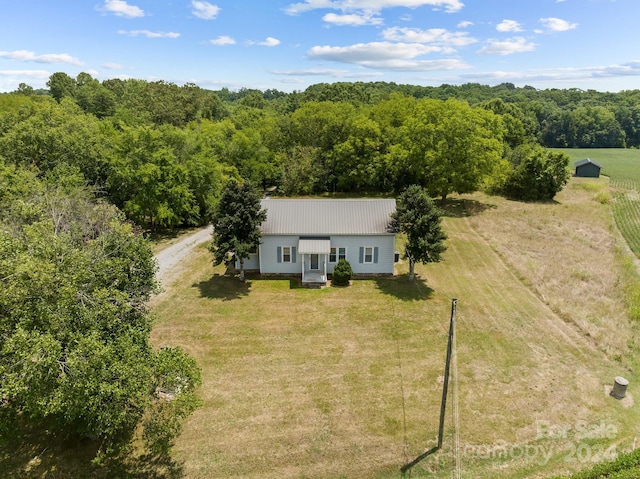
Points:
x=464 y=207
x=224 y=286
x=41 y=454
x=400 y=287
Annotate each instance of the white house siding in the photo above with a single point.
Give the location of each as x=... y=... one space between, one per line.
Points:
x=385 y=245
x=250 y=264
x=269 y=255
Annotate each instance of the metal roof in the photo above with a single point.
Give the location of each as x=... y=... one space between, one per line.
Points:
x=316 y=245
x=586 y=161
x=327 y=217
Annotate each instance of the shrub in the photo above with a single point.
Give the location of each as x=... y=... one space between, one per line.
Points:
x=342 y=273
x=537 y=174
x=603 y=197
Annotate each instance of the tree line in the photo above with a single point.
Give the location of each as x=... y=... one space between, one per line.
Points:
x=162 y=153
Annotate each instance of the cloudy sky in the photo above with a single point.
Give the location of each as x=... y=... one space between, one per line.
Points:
x=289 y=45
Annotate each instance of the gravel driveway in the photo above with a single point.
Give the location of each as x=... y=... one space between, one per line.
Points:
x=170 y=259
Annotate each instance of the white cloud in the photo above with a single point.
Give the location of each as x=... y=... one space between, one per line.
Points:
x=386 y=56
x=27 y=56
x=122 y=9
x=149 y=34
x=435 y=36
x=419 y=65
x=449 y=6
x=11 y=79
x=222 y=40
x=507 y=47
x=270 y=42
x=558 y=75
x=557 y=24
x=352 y=19
x=509 y=26
x=465 y=24
x=326 y=72
x=205 y=10
x=370 y=52
x=113 y=66
x=35 y=74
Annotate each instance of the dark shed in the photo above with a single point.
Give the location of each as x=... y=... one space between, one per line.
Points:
x=587 y=168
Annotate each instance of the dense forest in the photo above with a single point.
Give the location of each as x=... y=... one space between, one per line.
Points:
x=162 y=153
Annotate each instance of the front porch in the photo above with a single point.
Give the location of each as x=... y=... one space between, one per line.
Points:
x=314 y=268
x=315 y=253
x=312 y=279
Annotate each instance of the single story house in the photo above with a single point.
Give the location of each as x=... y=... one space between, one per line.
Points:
x=587 y=168
x=307 y=237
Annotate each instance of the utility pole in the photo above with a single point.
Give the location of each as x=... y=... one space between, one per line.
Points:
x=445 y=389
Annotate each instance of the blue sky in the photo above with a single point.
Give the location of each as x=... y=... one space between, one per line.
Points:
x=289 y=45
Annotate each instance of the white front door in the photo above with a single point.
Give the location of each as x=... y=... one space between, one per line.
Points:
x=313 y=261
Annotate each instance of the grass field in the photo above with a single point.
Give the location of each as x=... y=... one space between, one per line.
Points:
x=622 y=166
x=346 y=382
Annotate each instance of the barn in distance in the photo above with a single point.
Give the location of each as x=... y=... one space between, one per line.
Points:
x=587 y=168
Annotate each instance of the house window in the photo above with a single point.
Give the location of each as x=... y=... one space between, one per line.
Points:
x=368 y=254
x=337 y=254
x=286 y=254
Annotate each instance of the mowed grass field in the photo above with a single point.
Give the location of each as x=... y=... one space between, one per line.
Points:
x=347 y=382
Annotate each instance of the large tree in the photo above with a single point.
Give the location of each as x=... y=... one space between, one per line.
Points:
x=75 y=355
x=236 y=224
x=451 y=147
x=61 y=85
x=420 y=220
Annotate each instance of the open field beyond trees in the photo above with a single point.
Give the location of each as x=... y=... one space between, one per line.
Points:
x=346 y=382
x=622 y=166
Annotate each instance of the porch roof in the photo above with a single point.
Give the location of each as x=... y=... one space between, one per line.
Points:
x=314 y=246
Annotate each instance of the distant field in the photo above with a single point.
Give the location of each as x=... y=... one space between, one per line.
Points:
x=617 y=163
x=622 y=166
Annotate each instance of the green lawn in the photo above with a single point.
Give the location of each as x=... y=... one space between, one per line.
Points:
x=346 y=382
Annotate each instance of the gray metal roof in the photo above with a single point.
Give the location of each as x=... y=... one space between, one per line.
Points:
x=327 y=217
x=586 y=161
